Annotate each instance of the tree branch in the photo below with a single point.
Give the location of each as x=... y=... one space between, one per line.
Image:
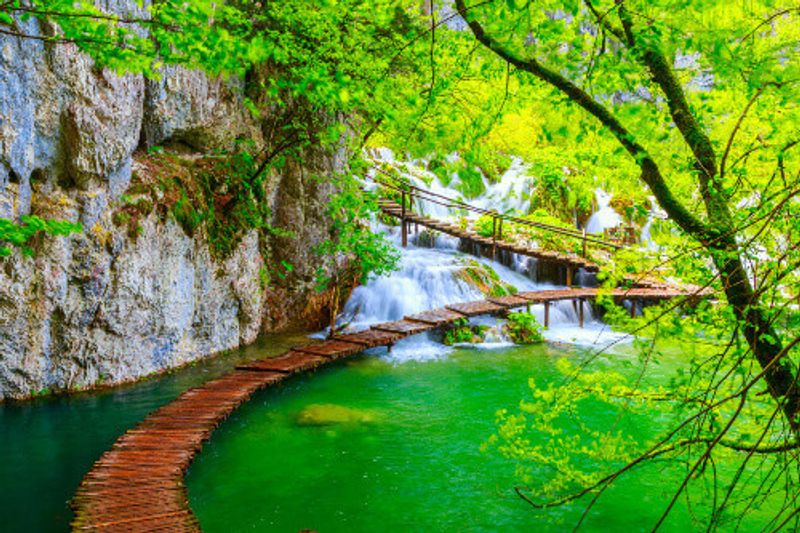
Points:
x=651 y=174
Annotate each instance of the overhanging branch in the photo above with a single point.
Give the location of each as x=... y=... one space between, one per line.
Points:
x=651 y=174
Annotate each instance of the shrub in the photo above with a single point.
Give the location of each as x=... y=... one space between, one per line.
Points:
x=523 y=328
x=461 y=331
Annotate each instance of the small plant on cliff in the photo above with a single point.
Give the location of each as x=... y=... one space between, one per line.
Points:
x=354 y=252
x=20 y=235
x=523 y=328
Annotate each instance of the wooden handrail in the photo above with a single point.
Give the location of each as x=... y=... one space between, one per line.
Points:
x=460 y=204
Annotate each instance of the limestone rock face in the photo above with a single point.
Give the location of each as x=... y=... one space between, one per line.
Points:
x=186 y=106
x=98 y=308
x=105 y=306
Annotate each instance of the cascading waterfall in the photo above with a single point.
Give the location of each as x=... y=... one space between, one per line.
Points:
x=509 y=194
x=605 y=217
x=427 y=278
x=655 y=212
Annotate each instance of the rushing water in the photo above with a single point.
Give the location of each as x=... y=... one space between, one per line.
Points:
x=605 y=217
x=510 y=194
x=47 y=445
x=426 y=279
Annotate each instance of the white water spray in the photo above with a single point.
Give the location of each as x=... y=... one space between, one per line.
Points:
x=427 y=278
x=605 y=217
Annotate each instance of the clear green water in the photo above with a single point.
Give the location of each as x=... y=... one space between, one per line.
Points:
x=414 y=465
x=48 y=445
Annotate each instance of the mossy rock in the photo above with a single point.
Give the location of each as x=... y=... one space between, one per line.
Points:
x=484 y=278
x=221 y=193
x=328 y=414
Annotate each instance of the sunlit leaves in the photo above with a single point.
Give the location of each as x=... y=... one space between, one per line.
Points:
x=19 y=235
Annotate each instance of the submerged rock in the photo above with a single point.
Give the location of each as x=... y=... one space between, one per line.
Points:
x=327 y=414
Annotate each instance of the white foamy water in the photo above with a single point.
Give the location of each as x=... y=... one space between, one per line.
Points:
x=511 y=194
x=605 y=217
x=426 y=279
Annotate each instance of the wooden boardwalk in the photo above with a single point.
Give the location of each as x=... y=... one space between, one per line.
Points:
x=137 y=485
x=490 y=246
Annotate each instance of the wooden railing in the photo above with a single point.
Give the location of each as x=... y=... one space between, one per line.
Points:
x=409 y=193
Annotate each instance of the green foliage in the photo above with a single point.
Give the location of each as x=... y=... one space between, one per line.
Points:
x=20 y=235
x=461 y=331
x=523 y=328
x=484 y=226
x=366 y=252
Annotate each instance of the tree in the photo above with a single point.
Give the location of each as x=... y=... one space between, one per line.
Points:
x=718 y=232
x=731 y=113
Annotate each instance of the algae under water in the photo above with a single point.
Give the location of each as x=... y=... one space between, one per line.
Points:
x=415 y=463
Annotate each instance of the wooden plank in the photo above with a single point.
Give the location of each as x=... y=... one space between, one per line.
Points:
x=480 y=307
x=509 y=301
x=287 y=364
x=556 y=295
x=371 y=338
x=332 y=349
x=436 y=317
x=404 y=327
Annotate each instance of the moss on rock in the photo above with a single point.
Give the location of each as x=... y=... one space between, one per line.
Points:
x=327 y=414
x=484 y=278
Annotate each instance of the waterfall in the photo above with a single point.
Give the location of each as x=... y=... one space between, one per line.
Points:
x=605 y=217
x=426 y=279
x=645 y=238
x=511 y=194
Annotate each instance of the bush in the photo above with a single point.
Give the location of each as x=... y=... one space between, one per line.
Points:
x=523 y=328
x=484 y=226
x=461 y=331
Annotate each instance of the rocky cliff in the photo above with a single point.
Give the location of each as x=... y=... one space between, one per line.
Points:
x=126 y=299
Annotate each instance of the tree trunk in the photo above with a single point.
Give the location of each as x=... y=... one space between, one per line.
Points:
x=761 y=336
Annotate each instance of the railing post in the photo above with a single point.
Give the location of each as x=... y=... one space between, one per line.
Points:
x=410 y=205
x=494 y=237
x=569 y=276
x=403 y=225
x=584 y=243
x=500 y=229
x=580 y=312
x=546 y=314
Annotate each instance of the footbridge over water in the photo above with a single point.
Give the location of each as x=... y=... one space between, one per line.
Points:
x=138 y=486
x=399 y=199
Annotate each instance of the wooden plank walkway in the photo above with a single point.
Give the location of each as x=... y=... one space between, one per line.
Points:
x=395 y=210
x=137 y=485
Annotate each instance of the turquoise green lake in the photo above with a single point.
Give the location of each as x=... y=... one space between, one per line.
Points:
x=371 y=445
